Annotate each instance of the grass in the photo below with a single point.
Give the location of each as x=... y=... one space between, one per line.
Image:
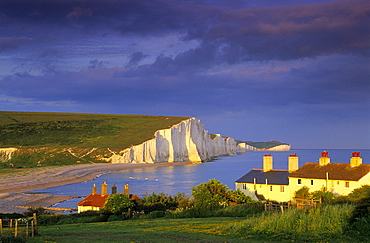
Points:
x=83 y=130
x=45 y=139
x=158 y=230
x=325 y=224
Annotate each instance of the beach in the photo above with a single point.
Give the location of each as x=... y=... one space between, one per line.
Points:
x=13 y=187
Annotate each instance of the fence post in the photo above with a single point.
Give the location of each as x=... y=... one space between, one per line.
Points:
x=11 y=226
x=27 y=229
x=282 y=208
x=1 y=227
x=32 y=229
x=35 y=223
x=16 y=228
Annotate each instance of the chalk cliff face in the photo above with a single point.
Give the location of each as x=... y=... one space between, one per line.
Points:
x=6 y=154
x=186 y=141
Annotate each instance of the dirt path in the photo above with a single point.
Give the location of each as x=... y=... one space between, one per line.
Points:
x=12 y=186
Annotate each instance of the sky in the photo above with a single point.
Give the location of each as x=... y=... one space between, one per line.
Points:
x=296 y=71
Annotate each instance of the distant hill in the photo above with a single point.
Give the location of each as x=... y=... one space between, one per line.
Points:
x=45 y=138
x=265 y=145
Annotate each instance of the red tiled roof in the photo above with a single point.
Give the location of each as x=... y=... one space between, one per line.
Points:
x=98 y=200
x=94 y=200
x=336 y=171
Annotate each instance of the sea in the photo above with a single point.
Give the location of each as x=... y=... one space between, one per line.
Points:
x=181 y=178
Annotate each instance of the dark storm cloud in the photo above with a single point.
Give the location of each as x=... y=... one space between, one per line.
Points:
x=94 y=64
x=297 y=63
x=136 y=57
x=250 y=33
x=11 y=43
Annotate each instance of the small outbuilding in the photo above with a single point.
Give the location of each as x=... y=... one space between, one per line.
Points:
x=95 y=202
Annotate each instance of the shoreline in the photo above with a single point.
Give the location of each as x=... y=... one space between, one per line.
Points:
x=13 y=186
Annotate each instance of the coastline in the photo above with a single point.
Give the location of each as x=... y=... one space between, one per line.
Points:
x=13 y=186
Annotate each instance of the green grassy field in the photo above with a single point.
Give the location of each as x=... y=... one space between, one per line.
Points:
x=155 y=230
x=83 y=130
x=43 y=139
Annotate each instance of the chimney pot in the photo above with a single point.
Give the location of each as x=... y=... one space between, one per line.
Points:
x=104 y=188
x=356 y=160
x=267 y=162
x=324 y=160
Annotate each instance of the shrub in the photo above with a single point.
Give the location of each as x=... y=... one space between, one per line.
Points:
x=38 y=210
x=239 y=210
x=150 y=207
x=359 y=222
x=11 y=239
x=118 y=203
x=211 y=195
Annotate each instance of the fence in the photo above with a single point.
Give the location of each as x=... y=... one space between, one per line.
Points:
x=298 y=203
x=274 y=207
x=24 y=227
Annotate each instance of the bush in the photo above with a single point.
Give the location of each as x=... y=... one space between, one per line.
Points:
x=11 y=239
x=37 y=210
x=50 y=219
x=118 y=203
x=359 y=222
x=150 y=207
x=239 y=210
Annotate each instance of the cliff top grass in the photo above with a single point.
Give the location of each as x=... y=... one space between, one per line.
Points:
x=47 y=129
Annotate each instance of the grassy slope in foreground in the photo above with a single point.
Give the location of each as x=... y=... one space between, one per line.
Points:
x=157 y=230
x=42 y=138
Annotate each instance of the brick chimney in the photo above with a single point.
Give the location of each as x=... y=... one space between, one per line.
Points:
x=94 y=189
x=126 y=190
x=114 y=189
x=104 y=188
x=293 y=163
x=267 y=162
x=324 y=160
x=356 y=160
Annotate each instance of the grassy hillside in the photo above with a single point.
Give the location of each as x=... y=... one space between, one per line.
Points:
x=43 y=135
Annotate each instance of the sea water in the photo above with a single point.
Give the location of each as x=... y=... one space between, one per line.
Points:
x=181 y=178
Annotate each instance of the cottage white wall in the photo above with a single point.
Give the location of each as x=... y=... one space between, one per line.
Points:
x=281 y=193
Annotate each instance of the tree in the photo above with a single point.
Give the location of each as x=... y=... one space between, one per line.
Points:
x=211 y=195
x=239 y=197
x=303 y=193
x=360 y=193
x=118 y=203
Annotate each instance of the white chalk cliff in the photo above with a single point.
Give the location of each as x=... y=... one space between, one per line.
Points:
x=186 y=141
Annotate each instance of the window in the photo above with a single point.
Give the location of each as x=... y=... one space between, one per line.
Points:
x=311 y=182
x=281 y=188
x=270 y=188
x=347 y=184
x=299 y=181
x=337 y=182
x=244 y=186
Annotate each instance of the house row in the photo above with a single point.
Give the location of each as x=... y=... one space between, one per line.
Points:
x=280 y=185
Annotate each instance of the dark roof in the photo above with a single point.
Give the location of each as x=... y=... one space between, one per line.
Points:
x=274 y=177
x=336 y=171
